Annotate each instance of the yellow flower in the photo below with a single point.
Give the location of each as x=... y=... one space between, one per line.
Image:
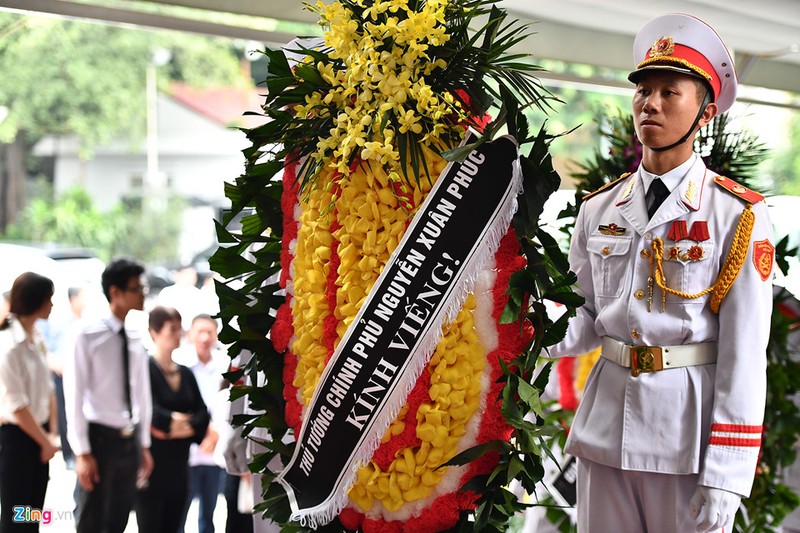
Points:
x=409 y=121
x=377 y=70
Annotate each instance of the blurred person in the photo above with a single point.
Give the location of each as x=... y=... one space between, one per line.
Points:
x=109 y=406
x=207 y=363
x=238 y=452
x=184 y=295
x=180 y=417
x=5 y=302
x=27 y=402
x=59 y=343
x=208 y=293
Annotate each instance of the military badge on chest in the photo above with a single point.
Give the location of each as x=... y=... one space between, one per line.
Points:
x=611 y=229
x=679 y=232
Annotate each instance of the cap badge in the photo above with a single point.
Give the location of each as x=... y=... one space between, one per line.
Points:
x=663 y=47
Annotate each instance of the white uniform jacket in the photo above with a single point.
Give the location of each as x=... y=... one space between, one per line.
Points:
x=705 y=419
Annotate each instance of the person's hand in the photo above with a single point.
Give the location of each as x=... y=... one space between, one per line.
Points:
x=179 y=427
x=145 y=469
x=86 y=471
x=713 y=508
x=235 y=453
x=48 y=450
x=157 y=433
x=209 y=442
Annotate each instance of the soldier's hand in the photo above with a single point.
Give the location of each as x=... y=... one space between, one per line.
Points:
x=713 y=508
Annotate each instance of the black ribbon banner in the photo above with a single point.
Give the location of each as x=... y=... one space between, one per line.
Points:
x=380 y=357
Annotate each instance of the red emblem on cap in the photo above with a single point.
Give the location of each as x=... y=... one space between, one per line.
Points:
x=763 y=257
x=663 y=47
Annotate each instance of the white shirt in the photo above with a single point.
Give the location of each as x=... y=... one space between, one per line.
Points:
x=94 y=383
x=25 y=380
x=209 y=380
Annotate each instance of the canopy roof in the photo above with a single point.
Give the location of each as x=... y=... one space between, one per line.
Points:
x=764 y=35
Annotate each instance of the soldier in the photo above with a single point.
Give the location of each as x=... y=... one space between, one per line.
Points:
x=675 y=264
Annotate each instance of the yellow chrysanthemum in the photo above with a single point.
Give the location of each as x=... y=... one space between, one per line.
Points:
x=371 y=222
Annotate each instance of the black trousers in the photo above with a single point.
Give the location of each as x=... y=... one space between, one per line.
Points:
x=23 y=479
x=159 y=507
x=106 y=508
x=236 y=522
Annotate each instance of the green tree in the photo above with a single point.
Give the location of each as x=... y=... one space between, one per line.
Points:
x=576 y=110
x=72 y=218
x=786 y=163
x=71 y=77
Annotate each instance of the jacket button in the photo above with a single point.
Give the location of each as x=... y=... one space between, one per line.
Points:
x=639 y=295
x=635 y=333
x=645 y=254
x=606 y=250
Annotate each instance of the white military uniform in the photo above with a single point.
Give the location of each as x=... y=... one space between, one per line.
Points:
x=705 y=419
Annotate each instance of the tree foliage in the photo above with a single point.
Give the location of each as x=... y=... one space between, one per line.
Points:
x=69 y=77
x=71 y=218
x=786 y=163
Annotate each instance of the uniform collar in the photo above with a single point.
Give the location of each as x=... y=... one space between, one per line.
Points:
x=691 y=188
x=687 y=196
x=671 y=178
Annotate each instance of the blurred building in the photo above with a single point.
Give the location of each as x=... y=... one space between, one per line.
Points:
x=198 y=149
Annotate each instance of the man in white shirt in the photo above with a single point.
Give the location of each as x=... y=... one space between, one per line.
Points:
x=208 y=364
x=109 y=406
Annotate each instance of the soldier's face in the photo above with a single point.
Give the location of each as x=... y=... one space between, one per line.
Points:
x=664 y=107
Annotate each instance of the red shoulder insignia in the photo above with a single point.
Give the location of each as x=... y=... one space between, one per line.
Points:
x=608 y=186
x=748 y=195
x=763 y=257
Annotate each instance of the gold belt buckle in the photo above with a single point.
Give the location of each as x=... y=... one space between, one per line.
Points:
x=127 y=432
x=646 y=359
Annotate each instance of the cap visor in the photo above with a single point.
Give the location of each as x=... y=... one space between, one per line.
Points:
x=636 y=75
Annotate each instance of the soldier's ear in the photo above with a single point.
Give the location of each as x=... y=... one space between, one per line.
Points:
x=709 y=113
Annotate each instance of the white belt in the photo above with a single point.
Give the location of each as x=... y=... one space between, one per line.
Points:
x=654 y=358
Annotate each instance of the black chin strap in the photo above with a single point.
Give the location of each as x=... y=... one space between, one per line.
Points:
x=706 y=101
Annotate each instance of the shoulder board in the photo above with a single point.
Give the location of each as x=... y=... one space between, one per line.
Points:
x=741 y=191
x=608 y=186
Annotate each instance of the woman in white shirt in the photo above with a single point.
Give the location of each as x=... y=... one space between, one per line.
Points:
x=27 y=406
